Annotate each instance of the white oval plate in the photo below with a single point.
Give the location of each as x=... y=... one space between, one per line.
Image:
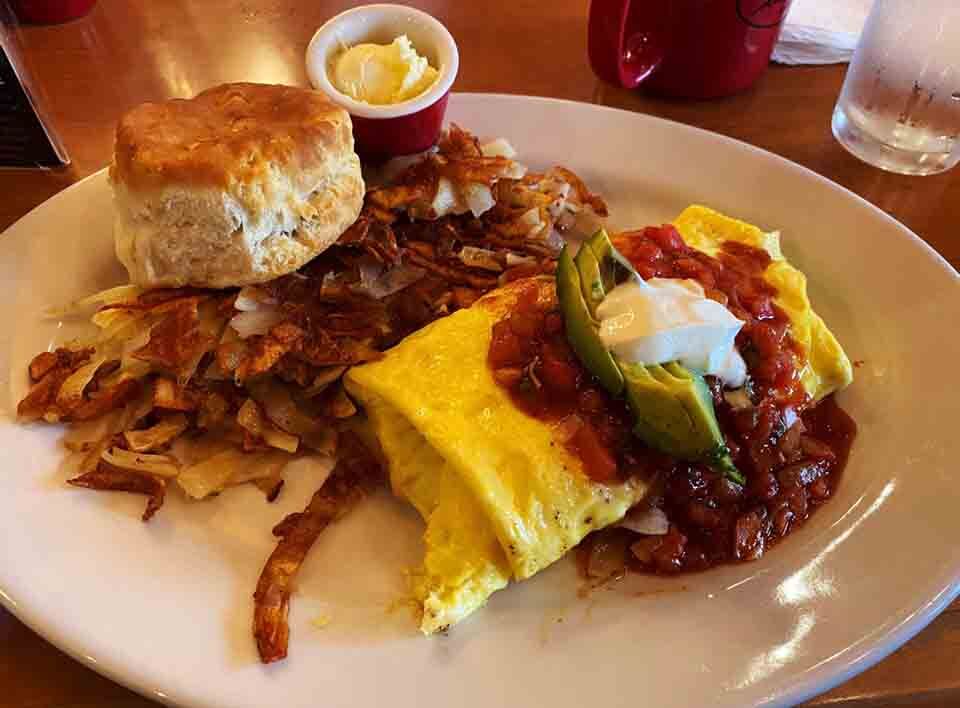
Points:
x=165 y=607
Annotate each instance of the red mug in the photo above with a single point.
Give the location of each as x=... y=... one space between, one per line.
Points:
x=47 y=12
x=684 y=48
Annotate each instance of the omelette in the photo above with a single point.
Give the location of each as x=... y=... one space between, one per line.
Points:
x=501 y=496
x=825 y=368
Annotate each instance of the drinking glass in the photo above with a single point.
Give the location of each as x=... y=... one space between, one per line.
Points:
x=900 y=104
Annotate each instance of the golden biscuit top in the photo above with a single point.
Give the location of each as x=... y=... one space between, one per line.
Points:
x=228 y=134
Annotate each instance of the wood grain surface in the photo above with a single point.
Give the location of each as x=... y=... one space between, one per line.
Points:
x=128 y=51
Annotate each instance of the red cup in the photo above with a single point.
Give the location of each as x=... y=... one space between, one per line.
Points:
x=684 y=48
x=384 y=131
x=48 y=12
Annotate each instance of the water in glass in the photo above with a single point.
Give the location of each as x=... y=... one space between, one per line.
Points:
x=900 y=104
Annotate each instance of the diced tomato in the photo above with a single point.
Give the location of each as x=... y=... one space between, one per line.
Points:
x=646 y=271
x=553 y=323
x=712 y=520
x=525 y=325
x=527 y=299
x=598 y=463
x=559 y=375
x=645 y=253
x=694 y=269
x=507 y=349
x=666 y=236
x=591 y=402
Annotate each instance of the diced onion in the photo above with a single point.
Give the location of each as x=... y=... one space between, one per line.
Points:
x=387 y=283
x=323 y=380
x=130 y=368
x=212 y=475
x=556 y=240
x=651 y=521
x=557 y=207
x=139 y=340
x=369 y=272
x=607 y=559
x=274 y=437
x=251 y=419
x=254 y=322
x=479 y=198
x=587 y=222
x=82 y=436
x=282 y=411
x=514 y=260
x=157 y=436
x=531 y=218
x=514 y=170
x=479 y=258
x=790 y=417
x=135 y=410
x=159 y=465
x=500 y=147
x=445 y=201
x=228 y=468
x=120 y=329
x=71 y=391
x=738 y=399
x=261 y=465
x=211 y=326
x=251 y=298
x=111 y=296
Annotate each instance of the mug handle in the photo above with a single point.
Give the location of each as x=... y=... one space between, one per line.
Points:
x=621 y=54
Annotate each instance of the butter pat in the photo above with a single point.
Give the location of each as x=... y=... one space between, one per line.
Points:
x=382 y=74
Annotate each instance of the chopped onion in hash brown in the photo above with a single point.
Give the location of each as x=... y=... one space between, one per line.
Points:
x=260 y=365
x=214 y=388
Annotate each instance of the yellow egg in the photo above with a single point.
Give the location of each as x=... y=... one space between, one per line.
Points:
x=501 y=496
x=826 y=367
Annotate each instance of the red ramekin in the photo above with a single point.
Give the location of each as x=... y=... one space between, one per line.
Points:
x=385 y=131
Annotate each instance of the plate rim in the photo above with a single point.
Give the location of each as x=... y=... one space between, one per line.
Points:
x=822 y=677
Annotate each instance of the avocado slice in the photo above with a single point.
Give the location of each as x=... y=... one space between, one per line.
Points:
x=674 y=413
x=613 y=266
x=672 y=405
x=581 y=328
x=591 y=282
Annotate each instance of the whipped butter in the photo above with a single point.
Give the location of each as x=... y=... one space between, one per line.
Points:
x=382 y=74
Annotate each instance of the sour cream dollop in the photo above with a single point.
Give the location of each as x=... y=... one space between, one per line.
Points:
x=664 y=319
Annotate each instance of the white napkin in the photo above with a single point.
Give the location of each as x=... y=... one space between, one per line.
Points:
x=821 y=31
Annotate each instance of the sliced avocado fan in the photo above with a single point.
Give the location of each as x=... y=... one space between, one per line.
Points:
x=581 y=328
x=672 y=407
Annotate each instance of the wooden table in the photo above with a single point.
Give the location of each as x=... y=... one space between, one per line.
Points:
x=128 y=51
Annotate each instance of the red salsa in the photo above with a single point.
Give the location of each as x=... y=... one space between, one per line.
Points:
x=790 y=451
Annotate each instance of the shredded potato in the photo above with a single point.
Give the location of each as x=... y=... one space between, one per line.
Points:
x=209 y=389
x=356 y=473
x=118 y=480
